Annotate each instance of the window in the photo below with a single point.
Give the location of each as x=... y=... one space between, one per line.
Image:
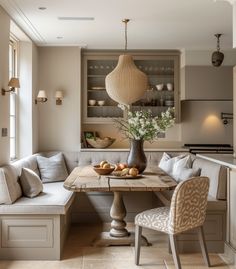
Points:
x=13 y=97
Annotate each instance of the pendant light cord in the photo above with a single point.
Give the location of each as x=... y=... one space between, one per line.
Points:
x=218 y=44
x=126 y=36
x=218 y=41
x=125 y=21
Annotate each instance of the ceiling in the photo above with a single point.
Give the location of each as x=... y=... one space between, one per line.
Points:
x=155 y=24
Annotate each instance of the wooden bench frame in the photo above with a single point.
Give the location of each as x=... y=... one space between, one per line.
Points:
x=33 y=237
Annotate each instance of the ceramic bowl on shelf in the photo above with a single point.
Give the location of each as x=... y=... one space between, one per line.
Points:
x=92 y=102
x=160 y=87
x=101 y=102
x=169 y=86
x=100 y=143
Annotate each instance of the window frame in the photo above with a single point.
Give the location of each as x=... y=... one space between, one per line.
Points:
x=13 y=72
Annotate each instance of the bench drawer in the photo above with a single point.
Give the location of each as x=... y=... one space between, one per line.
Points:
x=27 y=232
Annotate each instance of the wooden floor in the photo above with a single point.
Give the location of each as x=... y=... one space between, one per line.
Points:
x=78 y=254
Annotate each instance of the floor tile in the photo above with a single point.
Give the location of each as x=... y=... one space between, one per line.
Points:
x=196 y=261
x=108 y=253
x=153 y=254
x=104 y=264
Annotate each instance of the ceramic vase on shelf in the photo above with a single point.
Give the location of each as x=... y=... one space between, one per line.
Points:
x=136 y=157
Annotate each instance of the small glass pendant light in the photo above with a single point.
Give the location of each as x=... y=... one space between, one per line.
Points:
x=217 y=57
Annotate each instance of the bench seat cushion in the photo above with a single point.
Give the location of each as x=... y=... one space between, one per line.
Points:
x=54 y=199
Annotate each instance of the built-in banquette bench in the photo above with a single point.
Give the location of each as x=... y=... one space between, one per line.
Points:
x=35 y=228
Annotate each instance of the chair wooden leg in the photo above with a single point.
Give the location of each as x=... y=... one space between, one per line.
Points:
x=203 y=246
x=138 y=233
x=174 y=250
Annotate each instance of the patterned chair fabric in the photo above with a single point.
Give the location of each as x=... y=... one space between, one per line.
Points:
x=187 y=209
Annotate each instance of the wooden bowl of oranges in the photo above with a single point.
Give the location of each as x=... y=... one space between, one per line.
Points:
x=104 y=168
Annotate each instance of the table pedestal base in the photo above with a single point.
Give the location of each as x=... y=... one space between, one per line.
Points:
x=105 y=240
x=118 y=234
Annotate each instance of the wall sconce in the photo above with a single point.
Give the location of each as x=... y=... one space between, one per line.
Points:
x=13 y=84
x=226 y=117
x=59 y=96
x=41 y=97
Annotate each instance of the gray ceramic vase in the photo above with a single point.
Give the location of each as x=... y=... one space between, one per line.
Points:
x=136 y=157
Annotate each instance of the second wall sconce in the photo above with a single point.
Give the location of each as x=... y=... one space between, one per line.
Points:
x=13 y=84
x=41 y=97
x=59 y=96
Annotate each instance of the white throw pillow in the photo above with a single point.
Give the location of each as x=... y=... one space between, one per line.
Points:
x=52 y=169
x=187 y=173
x=167 y=162
x=10 y=189
x=180 y=164
x=182 y=169
x=30 y=183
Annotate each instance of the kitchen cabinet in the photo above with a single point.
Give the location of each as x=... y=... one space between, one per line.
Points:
x=207 y=83
x=161 y=67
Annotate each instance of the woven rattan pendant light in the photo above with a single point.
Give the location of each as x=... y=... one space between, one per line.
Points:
x=126 y=84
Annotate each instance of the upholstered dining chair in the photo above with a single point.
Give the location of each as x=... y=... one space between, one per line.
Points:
x=187 y=211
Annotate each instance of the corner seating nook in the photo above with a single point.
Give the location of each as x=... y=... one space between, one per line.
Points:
x=36 y=228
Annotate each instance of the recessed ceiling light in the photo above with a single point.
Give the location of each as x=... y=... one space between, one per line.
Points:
x=76 y=18
x=59 y=37
x=42 y=8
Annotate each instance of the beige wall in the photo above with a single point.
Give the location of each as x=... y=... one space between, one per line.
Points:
x=208 y=82
x=4 y=76
x=59 y=126
x=201 y=122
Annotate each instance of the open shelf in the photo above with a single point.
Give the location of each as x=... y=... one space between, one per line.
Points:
x=161 y=68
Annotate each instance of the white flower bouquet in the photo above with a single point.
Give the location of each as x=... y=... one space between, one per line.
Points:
x=141 y=125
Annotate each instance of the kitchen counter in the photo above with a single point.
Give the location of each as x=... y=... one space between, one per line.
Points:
x=224 y=159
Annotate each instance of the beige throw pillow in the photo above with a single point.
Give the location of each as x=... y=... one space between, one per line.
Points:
x=30 y=183
x=52 y=169
x=10 y=189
